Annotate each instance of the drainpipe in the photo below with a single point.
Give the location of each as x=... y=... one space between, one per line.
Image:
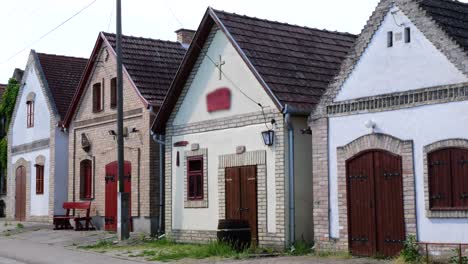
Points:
x=161 y=141
x=292 y=209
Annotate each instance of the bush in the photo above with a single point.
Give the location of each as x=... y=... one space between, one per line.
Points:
x=410 y=252
x=455 y=259
x=300 y=248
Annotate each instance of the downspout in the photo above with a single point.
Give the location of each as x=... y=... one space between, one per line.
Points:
x=292 y=209
x=161 y=141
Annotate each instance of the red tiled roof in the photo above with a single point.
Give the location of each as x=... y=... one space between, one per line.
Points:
x=63 y=75
x=151 y=64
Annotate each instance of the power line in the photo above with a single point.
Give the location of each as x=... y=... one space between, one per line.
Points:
x=50 y=31
x=212 y=61
x=111 y=15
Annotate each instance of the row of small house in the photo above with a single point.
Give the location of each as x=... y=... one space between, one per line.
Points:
x=354 y=142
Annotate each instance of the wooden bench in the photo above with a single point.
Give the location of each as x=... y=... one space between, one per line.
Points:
x=62 y=222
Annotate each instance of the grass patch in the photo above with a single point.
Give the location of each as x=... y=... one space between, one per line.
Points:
x=300 y=248
x=19 y=226
x=100 y=245
x=333 y=254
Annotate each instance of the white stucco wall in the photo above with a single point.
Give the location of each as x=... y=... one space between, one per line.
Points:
x=39 y=203
x=424 y=125
x=41 y=130
x=193 y=109
x=405 y=66
x=61 y=171
x=218 y=144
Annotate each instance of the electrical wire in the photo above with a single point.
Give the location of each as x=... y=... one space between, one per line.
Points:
x=111 y=15
x=50 y=31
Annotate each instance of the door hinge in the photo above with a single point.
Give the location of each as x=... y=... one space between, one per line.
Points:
x=388 y=175
x=109 y=178
x=436 y=163
x=464 y=196
x=357 y=177
x=437 y=197
x=360 y=239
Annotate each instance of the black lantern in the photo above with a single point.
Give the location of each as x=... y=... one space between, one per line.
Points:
x=268 y=137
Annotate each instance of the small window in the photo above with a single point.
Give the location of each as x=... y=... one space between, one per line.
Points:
x=195 y=178
x=390 y=39
x=86 y=178
x=448 y=187
x=39 y=179
x=407 y=35
x=30 y=114
x=113 y=93
x=97 y=98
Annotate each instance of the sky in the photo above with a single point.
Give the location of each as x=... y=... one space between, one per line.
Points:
x=23 y=22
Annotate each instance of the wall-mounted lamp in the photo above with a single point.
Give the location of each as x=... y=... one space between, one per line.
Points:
x=112 y=133
x=370 y=124
x=268 y=137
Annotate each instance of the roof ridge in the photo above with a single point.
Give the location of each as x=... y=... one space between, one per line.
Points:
x=142 y=38
x=61 y=56
x=285 y=23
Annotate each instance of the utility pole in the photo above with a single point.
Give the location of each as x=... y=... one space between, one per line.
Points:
x=123 y=198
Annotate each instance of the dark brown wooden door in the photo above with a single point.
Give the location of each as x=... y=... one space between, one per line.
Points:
x=375 y=204
x=20 y=194
x=111 y=179
x=241 y=196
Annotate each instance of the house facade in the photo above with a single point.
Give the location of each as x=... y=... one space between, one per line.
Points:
x=243 y=78
x=38 y=149
x=390 y=146
x=149 y=66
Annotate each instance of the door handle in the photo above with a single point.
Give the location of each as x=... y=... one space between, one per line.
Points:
x=243 y=209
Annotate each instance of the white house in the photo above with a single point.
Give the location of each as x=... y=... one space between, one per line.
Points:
x=242 y=78
x=38 y=149
x=391 y=148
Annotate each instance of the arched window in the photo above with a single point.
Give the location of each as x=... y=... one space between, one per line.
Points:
x=86 y=177
x=448 y=179
x=30 y=109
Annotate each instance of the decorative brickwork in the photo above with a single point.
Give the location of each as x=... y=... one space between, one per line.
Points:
x=203 y=203
x=448 y=143
x=400 y=100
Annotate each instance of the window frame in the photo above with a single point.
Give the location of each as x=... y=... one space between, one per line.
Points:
x=30 y=114
x=452 y=181
x=198 y=193
x=39 y=179
x=113 y=93
x=86 y=180
x=97 y=97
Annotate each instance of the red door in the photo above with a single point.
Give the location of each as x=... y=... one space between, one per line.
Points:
x=241 y=196
x=375 y=204
x=20 y=194
x=111 y=179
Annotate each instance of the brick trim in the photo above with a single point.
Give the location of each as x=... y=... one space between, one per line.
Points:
x=202 y=203
x=29 y=147
x=447 y=143
x=400 y=100
x=402 y=148
x=107 y=118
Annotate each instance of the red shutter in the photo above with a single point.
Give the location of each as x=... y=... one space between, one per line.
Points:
x=440 y=184
x=459 y=178
x=113 y=93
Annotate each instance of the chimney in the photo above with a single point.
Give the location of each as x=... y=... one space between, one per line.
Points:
x=185 y=36
x=18 y=75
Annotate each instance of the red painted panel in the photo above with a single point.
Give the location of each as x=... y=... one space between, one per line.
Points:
x=219 y=99
x=111 y=179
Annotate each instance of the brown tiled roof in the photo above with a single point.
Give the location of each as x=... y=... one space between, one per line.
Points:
x=150 y=63
x=63 y=75
x=452 y=16
x=297 y=63
x=2 y=89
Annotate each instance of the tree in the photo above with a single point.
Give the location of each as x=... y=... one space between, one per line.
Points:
x=7 y=106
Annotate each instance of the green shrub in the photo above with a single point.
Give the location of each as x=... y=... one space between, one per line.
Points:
x=456 y=258
x=410 y=252
x=300 y=248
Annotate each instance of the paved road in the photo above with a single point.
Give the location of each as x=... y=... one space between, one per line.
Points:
x=13 y=251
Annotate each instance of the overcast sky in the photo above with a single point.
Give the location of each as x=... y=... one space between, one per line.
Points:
x=23 y=22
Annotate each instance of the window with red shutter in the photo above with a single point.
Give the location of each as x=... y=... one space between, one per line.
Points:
x=30 y=114
x=113 y=93
x=39 y=179
x=97 y=98
x=448 y=179
x=195 y=178
x=86 y=178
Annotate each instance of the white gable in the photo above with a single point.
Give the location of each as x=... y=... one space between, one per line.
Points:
x=405 y=66
x=42 y=127
x=206 y=80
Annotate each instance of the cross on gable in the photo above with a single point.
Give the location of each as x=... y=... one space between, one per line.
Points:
x=219 y=65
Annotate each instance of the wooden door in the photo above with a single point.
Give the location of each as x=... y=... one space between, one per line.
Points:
x=20 y=194
x=361 y=213
x=241 y=196
x=111 y=180
x=375 y=204
x=389 y=203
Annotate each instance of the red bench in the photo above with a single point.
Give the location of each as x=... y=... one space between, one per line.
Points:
x=62 y=222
